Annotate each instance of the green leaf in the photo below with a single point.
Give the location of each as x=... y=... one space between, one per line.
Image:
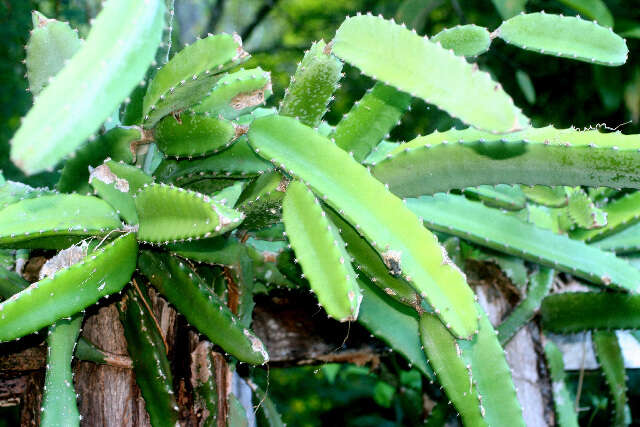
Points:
x=565 y=36
x=622 y=242
x=92 y=84
x=407 y=248
x=396 y=56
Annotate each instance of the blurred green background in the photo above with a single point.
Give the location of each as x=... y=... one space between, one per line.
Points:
x=550 y=90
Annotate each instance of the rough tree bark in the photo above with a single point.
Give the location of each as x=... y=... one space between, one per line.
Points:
x=294 y=331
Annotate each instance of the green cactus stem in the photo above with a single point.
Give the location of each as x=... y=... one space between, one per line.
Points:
x=565 y=36
x=201 y=307
x=572 y=312
x=407 y=248
x=146 y=347
x=491 y=228
x=92 y=84
x=385 y=51
x=70 y=290
x=312 y=86
x=321 y=252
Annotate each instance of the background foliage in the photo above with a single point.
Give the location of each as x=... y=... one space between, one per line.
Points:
x=277 y=32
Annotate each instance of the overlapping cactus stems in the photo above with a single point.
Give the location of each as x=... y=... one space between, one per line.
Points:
x=194 y=177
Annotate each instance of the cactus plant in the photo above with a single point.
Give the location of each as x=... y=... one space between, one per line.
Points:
x=195 y=170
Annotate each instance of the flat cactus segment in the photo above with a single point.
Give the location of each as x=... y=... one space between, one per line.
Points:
x=465 y=40
x=592 y=9
x=492 y=376
x=170 y=213
x=385 y=51
x=451 y=370
x=201 y=307
x=197 y=65
x=262 y=201
x=116 y=143
x=312 y=85
x=10 y=283
x=237 y=94
x=620 y=214
x=583 y=212
x=13 y=192
x=70 y=290
x=92 y=84
x=237 y=161
x=494 y=229
x=554 y=197
x=321 y=252
x=116 y=183
x=193 y=135
x=573 y=311
x=395 y=324
x=54 y=220
x=609 y=354
x=370 y=120
x=367 y=260
x=538 y=289
x=501 y=196
x=135 y=177
x=567 y=416
x=406 y=246
x=150 y=364
x=59 y=406
x=623 y=242
x=458 y=159
x=566 y=36
x=50 y=45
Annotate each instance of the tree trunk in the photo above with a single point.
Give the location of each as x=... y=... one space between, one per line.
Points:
x=292 y=329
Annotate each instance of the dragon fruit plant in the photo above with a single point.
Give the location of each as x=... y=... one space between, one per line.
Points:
x=173 y=167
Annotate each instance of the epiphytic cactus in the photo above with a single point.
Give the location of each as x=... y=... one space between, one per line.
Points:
x=217 y=176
